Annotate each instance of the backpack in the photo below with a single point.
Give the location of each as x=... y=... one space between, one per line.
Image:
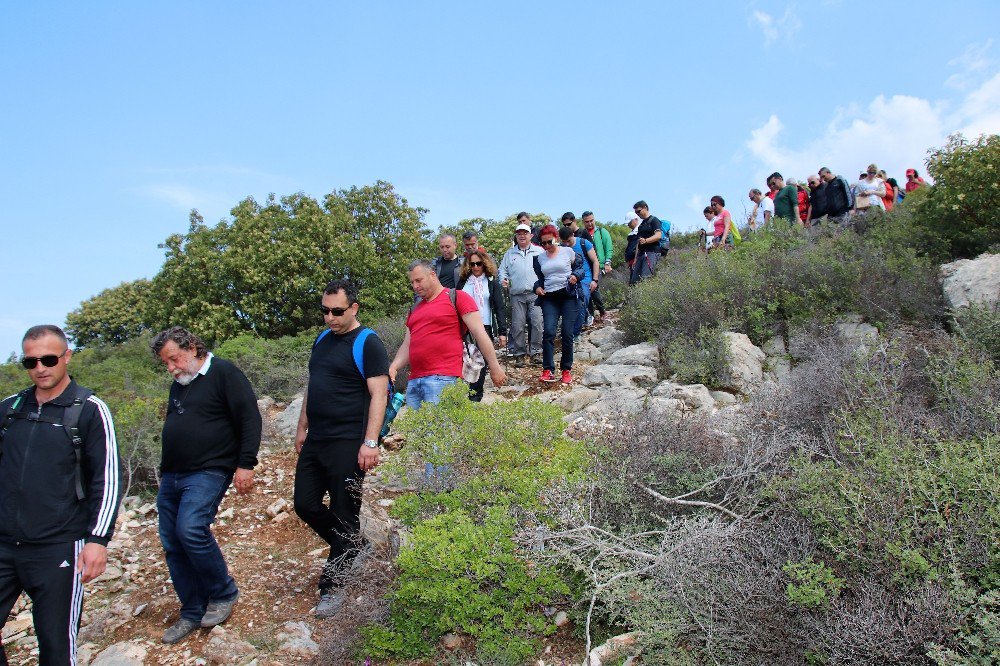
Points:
x=664 y=236
x=70 y=422
x=358 y=352
x=737 y=238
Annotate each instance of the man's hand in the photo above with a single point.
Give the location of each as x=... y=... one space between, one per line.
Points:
x=506 y=283
x=607 y=268
x=368 y=458
x=498 y=376
x=593 y=286
x=572 y=279
x=540 y=291
x=392 y=373
x=243 y=480
x=92 y=561
x=501 y=341
x=300 y=438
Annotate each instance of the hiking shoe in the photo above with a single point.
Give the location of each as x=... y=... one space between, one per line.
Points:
x=590 y=320
x=520 y=361
x=178 y=630
x=566 y=377
x=330 y=602
x=218 y=612
x=547 y=376
x=536 y=359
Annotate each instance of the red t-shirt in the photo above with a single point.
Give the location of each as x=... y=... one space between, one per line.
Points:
x=436 y=335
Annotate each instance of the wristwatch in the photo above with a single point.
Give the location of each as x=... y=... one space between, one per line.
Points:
x=371 y=443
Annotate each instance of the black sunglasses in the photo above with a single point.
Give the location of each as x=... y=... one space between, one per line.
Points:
x=49 y=360
x=548 y=242
x=336 y=312
x=475 y=263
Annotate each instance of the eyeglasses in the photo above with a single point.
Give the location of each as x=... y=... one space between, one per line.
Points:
x=336 y=312
x=475 y=263
x=546 y=243
x=49 y=360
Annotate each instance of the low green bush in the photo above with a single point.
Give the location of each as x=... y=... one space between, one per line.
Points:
x=980 y=325
x=463 y=570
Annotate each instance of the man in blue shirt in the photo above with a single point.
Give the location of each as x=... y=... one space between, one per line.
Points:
x=585 y=249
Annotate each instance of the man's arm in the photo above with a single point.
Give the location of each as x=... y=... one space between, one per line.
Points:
x=378 y=389
x=475 y=325
x=402 y=358
x=595 y=268
x=100 y=449
x=242 y=403
x=302 y=429
x=504 y=275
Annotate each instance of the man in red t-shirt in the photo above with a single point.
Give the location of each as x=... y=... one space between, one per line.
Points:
x=432 y=346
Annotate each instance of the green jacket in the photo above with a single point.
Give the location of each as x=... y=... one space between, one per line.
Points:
x=602 y=245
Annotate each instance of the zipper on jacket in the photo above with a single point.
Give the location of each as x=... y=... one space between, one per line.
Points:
x=24 y=468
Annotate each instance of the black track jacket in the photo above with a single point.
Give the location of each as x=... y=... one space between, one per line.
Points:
x=38 y=502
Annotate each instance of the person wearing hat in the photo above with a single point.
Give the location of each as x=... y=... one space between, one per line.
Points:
x=517 y=274
x=913 y=180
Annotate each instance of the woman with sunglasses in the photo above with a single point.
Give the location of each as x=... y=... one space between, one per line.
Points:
x=559 y=270
x=722 y=224
x=478 y=278
x=871 y=189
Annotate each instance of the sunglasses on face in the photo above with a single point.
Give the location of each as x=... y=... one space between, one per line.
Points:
x=546 y=243
x=49 y=360
x=475 y=263
x=336 y=312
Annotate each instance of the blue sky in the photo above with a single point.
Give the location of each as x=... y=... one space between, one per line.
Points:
x=118 y=118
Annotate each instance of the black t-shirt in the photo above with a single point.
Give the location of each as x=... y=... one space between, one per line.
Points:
x=818 y=201
x=338 y=398
x=647 y=228
x=583 y=233
x=446 y=273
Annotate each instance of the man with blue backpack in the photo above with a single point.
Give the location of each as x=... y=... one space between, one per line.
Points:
x=337 y=437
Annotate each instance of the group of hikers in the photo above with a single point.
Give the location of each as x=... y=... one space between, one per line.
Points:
x=824 y=196
x=60 y=484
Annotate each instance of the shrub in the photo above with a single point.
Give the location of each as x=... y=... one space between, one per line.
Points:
x=960 y=207
x=980 y=325
x=462 y=570
x=278 y=368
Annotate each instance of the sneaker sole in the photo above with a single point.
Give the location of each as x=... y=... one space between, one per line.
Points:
x=549 y=381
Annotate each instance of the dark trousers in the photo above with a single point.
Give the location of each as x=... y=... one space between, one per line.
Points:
x=597 y=303
x=48 y=574
x=187 y=503
x=331 y=467
x=476 y=388
x=556 y=304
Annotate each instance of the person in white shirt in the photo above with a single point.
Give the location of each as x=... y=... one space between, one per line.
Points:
x=763 y=209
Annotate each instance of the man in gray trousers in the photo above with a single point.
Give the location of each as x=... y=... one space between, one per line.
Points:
x=518 y=275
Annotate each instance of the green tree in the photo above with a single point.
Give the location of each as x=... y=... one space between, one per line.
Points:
x=961 y=206
x=494 y=235
x=111 y=317
x=263 y=272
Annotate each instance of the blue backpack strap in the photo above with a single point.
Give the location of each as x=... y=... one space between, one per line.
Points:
x=359 y=350
x=321 y=336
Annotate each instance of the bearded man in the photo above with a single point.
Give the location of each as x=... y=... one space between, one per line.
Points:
x=211 y=436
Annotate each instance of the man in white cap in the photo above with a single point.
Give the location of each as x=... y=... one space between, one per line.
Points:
x=632 y=241
x=517 y=274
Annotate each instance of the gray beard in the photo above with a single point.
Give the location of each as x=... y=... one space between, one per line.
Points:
x=184 y=379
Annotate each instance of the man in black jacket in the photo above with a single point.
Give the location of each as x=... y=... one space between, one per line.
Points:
x=210 y=438
x=59 y=492
x=839 y=200
x=647 y=253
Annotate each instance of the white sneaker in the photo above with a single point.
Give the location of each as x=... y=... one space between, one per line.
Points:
x=590 y=320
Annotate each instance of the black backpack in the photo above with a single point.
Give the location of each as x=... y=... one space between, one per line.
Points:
x=70 y=422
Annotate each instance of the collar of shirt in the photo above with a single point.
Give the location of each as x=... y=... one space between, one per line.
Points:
x=204 y=366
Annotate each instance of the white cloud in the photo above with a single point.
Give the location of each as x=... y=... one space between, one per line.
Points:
x=182 y=196
x=774 y=29
x=972 y=64
x=893 y=132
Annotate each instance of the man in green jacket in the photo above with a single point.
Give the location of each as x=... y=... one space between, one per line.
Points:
x=602 y=245
x=786 y=201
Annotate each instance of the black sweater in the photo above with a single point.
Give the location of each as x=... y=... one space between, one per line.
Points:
x=212 y=422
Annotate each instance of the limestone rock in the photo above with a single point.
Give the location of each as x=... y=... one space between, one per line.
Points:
x=576 y=399
x=645 y=353
x=663 y=404
x=854 y=331
x=613 y=648
x=287 y=422
x=619 y=375
x=969 y=281
x=121 y=654
x=723 y=398
x=775 y=346
x=608 y=339
x=225 y=647
x=585 y=351
x=296 y=639
x=278 y=506
x=743 y=369
x=695 y=397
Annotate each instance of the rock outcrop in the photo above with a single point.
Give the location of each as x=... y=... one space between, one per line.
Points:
x=971 y=281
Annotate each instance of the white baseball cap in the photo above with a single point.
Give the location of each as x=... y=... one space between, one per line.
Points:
x=522 y=227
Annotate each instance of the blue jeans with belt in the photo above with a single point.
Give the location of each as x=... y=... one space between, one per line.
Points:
x=187 y=503
x=556 y=304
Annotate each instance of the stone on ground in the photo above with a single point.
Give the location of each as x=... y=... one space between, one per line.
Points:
x=645 y=353
x=121 y=654
x=743 y=369
x=971 y=281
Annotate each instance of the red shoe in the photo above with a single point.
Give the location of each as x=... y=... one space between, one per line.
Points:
x=566 y=377
x=547 y=376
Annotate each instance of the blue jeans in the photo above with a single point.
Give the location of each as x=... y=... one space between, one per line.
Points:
x=187 y=503
x=426 y=389
x=557 y=304
x=582 y=304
